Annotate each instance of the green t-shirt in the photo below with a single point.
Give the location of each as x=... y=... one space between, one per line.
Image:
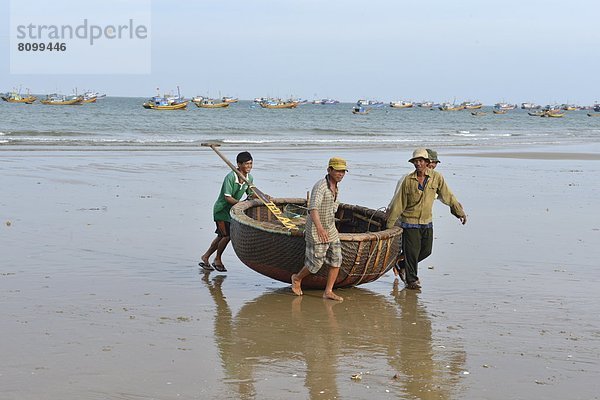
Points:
x=233 y=187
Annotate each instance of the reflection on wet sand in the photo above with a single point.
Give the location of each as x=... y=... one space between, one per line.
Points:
x=277 y=338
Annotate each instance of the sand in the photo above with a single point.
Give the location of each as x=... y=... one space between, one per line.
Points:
x=102 y=297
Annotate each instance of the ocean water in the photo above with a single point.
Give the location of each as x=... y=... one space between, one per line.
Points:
x=123 y=122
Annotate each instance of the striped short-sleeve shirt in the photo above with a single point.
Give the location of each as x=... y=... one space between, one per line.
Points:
x=324 y=201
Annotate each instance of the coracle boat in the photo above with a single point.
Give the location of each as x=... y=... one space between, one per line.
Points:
x=261 y=242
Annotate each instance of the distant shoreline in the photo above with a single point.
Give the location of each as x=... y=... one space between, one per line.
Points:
x=533 y=155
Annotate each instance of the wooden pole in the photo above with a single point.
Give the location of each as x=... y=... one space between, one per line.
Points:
x=272 y=207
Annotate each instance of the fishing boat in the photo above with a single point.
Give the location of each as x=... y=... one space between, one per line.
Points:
x=91 y=97
x=401 y=104
x=450 y=107
x=472 y=105
x=569 y=107
x=500 y=111
x=364 y=102
x=261 y=242
x=62 y=100
x=530 y=106
x=15 y=97
x=595 y=114
x=361 y=110
x=536 y=113
x=425 y=104
x=505 y=106
x=278 y=103
x=229 y=100
x=549 y=114
x=211 y=103
x=166 y=102
x=478 y=113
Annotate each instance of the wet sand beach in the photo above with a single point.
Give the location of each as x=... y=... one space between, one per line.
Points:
x=102 y=297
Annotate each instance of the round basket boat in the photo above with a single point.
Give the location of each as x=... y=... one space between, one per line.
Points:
x=265 y=245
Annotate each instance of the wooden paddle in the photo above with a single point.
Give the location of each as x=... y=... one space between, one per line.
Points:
x=263 y=197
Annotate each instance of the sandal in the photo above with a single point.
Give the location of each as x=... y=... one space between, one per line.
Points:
x=219 y=267
x=205 y=266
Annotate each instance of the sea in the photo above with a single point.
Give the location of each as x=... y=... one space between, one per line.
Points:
x=123 y=122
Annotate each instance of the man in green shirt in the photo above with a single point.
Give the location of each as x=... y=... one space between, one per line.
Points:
x=323 y=244
x=232 y=191
x=413 y=205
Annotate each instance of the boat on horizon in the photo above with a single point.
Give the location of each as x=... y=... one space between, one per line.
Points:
x=17 y=97
x=361 y=110
x=451 y=107
x=364 y=102
x=569 y=107
x=505 y=106
x=278 y=103
x=91 y=97
x=478 y=113
x=535 y=113
x=211 y=103
x=425 y=104
x=166 y=102
x=530 y=106
x=62 y=100
x=472 y=105
x=401 y=104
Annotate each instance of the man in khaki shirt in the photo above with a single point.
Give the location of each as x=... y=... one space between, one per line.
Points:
x=412 y=205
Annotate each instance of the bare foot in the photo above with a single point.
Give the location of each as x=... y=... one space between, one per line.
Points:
x=296 y=288
x=332 y=296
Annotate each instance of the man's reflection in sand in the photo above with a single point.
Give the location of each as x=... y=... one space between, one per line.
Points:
x=277 y=339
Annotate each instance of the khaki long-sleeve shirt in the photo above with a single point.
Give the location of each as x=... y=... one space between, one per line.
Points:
x=414 y=206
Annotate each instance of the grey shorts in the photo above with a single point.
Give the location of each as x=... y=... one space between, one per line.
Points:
x=318 y=254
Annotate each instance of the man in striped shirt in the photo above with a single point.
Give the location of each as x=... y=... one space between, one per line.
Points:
x=322 y=239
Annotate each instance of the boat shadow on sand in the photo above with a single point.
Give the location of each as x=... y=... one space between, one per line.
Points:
x=368 y=344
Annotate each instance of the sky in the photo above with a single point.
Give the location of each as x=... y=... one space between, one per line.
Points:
x=513 y=51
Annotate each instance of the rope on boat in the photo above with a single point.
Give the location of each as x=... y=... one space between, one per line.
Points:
x=375 y=248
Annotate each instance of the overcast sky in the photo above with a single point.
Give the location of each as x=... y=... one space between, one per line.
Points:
x=541 y=51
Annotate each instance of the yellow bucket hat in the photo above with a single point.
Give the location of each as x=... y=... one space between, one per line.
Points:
x=339 y=164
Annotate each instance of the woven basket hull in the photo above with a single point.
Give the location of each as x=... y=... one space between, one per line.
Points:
x=263 y=244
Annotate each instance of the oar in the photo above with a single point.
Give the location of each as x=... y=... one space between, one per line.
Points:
x=263 y=197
